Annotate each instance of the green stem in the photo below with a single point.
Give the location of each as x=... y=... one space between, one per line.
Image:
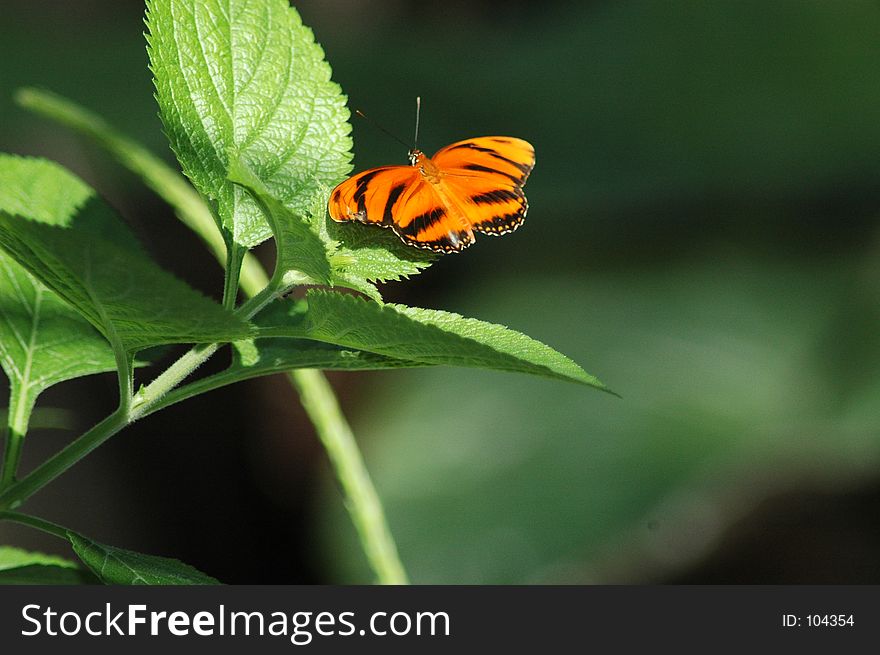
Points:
x=11 y=456
x=18 y=492
x=234 y=257
x=125 y=375
x=173 y=375
x=362 y=500
x=36 y=523
x=254 y=304
x=21 y=404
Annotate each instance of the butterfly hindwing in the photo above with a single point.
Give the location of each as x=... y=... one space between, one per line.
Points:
x=491 y=208
x=426 y=220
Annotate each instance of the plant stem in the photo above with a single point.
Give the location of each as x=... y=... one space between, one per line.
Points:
x=362 y=500
x=234 y=257
x=21 y=404
x=170 y=378
x=11 y=456
x=255 y=303
x=125 y=375
x=34 y=522
x=18 y=492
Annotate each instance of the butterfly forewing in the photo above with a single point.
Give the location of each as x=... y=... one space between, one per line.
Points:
x=428 y=220
x=491 y=208
x=373 y=196
x=503 y=158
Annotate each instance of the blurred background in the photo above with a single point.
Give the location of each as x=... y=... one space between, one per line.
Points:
x=703 y=236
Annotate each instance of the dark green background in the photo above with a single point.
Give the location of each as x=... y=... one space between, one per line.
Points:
x=702 y=236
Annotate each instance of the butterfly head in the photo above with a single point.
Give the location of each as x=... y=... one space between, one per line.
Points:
x=415 y=156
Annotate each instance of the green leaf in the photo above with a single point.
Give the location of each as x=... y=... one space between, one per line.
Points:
x=19 y=566
x=125 y=567
x=263 y=356
x=254 y=358
x=43 y=341
x=46 y=575
x=75 y=245
x=243 y=87
x=246 y=78
x=421 y=335
x=361 y=255
x=259 y=357
x=299 y=248
x=374 y=254
x=40 y=190
x=11 y=557
x=170 y=185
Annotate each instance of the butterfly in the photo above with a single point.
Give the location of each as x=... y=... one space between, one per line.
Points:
x=438 y=203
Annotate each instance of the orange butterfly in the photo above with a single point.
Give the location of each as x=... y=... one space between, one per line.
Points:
x=438 y=202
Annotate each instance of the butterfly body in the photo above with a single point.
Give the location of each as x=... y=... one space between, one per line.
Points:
x=439 y=202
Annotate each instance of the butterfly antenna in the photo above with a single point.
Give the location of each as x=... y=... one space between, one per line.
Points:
x=380 y=128
x=418 y=111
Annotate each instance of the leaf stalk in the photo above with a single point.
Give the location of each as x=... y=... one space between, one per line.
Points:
x=21 y=404
x=34 y=522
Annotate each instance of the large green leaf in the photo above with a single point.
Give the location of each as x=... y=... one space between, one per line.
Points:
x=125 y=567
x=421 y=335
x=43 y=341
x=74 y=244
x=245 y=78
x=19 y=566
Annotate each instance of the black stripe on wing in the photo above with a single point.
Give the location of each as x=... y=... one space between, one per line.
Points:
x=421 y=222
x=495 y=197
x=506 y=219
x=525 y=169
x=486 y=169
x=393 y=197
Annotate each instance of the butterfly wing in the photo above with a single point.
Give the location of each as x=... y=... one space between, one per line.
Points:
x=372 y=196
x=505 y=158
x=491 y=207
x=399 y=197
x=484 y=177
x=426 y=219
